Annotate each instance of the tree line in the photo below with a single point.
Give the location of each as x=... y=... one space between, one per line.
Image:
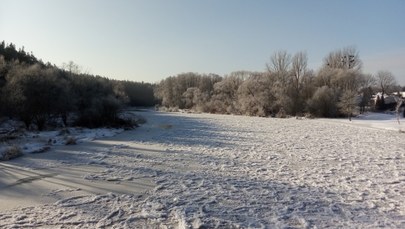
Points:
x=40 y=94
x=287 y=87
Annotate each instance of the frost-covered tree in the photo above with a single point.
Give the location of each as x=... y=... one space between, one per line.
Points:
x=188 y=97
x=346 y=80
x=72 y=68
x=290 y=81
x=323 y=103
x=279 y=71
x=299 y=69
x=167 y=94
x=348 y=103
x=279 y=67
x=295 y=90
x=254 y=96
x=35 y=93
x=225 y=95
x=171 y=91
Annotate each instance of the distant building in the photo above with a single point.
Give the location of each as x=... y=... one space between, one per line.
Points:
x=401 y=94
x=390 y=100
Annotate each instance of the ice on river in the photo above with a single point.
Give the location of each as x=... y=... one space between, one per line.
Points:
x=218 y=171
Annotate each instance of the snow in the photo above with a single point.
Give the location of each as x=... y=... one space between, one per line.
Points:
x=223 y=171
x=385 y=121
x=35 y=142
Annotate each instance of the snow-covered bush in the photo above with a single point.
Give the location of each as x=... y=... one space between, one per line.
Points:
x=140 y=120
x=281 y=113
x=70 y=140
x=10 y=152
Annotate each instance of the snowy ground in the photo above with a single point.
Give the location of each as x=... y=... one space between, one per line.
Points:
x=35 y=141
x=216 y=171
x=386 y=121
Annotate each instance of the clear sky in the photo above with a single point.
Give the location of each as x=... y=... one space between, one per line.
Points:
x=149 y=40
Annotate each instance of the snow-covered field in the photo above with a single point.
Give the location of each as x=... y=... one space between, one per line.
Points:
x=216 y=171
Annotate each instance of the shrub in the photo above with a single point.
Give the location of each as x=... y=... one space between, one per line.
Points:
x=281 y=114
x=10 y=153
x=70 y=140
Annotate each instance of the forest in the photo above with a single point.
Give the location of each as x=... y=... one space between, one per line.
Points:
x=41 y=94
x=287 y=88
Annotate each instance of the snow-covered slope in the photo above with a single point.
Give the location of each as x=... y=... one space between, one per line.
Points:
x=216 y=171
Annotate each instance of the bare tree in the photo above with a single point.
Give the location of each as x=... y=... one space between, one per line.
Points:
x=299 y=68
x=294 y=102
x=346 y=58
x=333 y=60
x=279 y=71
x=242 y=74
x=351 y=59
x=367 y=81
x=386 y=81
x=279 y=62
x=72 y=67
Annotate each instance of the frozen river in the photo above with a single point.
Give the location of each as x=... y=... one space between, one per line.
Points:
x=217 y=171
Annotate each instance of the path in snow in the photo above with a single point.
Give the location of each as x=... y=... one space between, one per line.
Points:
x=232 y=171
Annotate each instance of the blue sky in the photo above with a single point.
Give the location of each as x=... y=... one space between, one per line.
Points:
x=151 y=39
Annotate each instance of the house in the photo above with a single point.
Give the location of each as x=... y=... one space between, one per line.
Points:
x=401 y=94
x=390 y=100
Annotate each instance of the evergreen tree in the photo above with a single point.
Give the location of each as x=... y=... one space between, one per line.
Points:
x=377 y=103
x=380 y=103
